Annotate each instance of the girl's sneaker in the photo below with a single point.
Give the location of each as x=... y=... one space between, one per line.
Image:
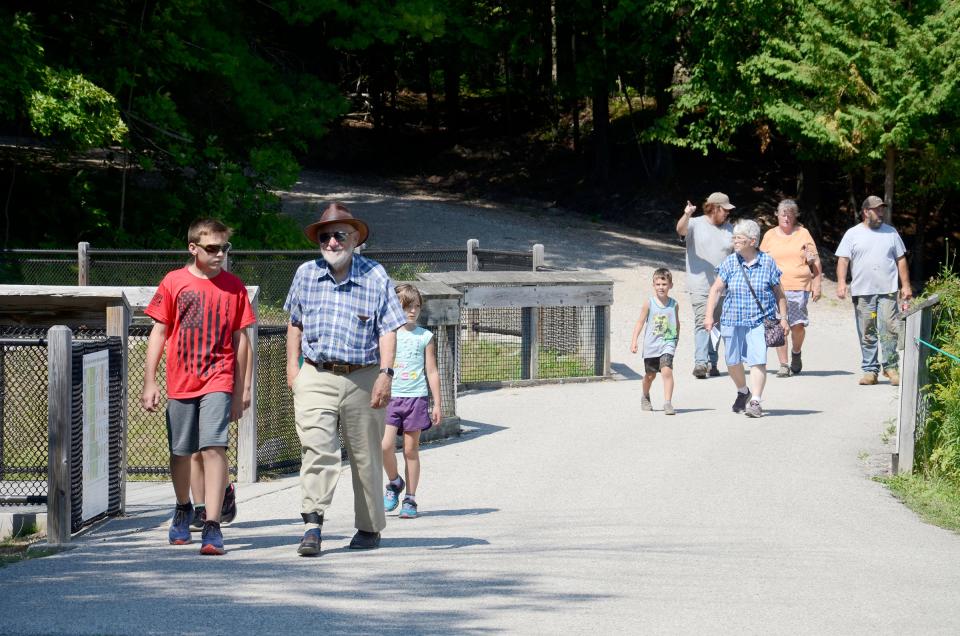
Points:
x=645 y=404
x=409 y=509
x=668 y=409
x=391 y=496
x=199 y=517
x=212 y=541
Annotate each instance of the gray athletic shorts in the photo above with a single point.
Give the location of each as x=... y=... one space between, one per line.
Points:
x=198 y=422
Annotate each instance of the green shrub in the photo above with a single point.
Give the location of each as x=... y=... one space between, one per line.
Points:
x=938 y=442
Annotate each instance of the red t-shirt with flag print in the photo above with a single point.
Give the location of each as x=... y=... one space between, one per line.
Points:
x=201 y=315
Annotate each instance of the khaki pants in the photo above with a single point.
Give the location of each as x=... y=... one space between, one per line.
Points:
x=320 y=400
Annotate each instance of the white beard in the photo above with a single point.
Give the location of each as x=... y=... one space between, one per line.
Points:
x=335 y=260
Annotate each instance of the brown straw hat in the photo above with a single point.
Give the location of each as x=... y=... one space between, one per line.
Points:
x=336 y=213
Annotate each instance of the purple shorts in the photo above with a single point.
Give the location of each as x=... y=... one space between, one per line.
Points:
x=409 y=414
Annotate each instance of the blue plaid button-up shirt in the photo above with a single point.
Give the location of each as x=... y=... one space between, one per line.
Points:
x=739 y=307
x=343 y=322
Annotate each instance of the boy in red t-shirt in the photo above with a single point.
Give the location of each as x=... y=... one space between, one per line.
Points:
x=200 y=313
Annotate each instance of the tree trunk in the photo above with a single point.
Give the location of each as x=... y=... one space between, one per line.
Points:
x=428 y=87
x=451 y=85
x=808 y=197
x=888 y=176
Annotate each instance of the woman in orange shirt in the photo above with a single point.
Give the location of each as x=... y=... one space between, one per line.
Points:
x=792 y=248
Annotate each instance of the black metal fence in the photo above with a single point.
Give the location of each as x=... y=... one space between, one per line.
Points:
x=23 y=416
x=24 y=455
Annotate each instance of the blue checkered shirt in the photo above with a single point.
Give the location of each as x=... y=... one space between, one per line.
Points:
x=739 y=307
x=343 y=322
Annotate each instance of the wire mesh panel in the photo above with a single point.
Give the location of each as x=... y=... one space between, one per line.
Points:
x=570 y=342
x=503 y=261
x=23 y=416
x=38 y=267
x=133 y=267
x=492 y=347
x=148 y=453
x=278 y=447
x=113 y=346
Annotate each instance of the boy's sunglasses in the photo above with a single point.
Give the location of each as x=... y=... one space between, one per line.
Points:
x=213 y=249
x=324 y=237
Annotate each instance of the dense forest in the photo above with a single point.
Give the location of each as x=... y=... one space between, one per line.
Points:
x=121 y=121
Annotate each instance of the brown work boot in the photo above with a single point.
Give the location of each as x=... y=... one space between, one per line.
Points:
x=869 y=377
x=893 y=375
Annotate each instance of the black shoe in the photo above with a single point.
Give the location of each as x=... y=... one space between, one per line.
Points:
x=364 y=540
x=796 y=364
x=714 y=371
x=228 y=511
x=740 y=405
x=310 y=543
x=199 y=517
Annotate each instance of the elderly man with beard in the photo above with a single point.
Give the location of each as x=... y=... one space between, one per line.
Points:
x=877 y=256
x=344 y=314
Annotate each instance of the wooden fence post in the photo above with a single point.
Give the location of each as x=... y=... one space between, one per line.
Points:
x=59 y=440
x=472 y=264
x=83 y=263
x=247 y=426
x=913 y=377
x=538 y=257
x=118 y=324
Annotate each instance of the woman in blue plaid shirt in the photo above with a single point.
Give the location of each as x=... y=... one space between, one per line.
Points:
x=741 y=318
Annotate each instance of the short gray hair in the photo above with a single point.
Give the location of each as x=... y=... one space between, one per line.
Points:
x=748 y=228
x=788 y=205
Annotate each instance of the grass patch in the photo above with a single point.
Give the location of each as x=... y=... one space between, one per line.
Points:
x=487 y=361
x=17 y=548
x=937 y=501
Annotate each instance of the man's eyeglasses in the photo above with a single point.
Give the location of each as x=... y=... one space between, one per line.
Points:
x=214 y=249
x=324 y=237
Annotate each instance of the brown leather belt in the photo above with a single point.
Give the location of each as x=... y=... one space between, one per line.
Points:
x=337 y=368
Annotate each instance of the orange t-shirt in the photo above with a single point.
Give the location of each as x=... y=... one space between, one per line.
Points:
x=201 y=315
x=787 y=252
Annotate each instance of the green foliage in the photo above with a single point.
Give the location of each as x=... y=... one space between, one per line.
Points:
x=938 y=443
x=937 y=501
x=68 y=105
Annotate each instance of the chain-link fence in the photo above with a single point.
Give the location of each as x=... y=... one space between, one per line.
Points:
x=522 y=343
x=23 y=416
x=278 y=448
x=38 y=267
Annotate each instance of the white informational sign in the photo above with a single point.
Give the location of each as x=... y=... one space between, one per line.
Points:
x=96 y=434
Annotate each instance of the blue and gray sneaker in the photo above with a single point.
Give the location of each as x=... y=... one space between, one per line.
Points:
x=391 y=497
x=212 y=541
x=409 y=509
x=179 y=533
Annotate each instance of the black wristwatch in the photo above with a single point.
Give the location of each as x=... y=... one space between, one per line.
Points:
x=387 y=370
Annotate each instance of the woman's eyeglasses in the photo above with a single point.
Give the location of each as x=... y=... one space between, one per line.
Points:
x=214 y=249
x=324 y=237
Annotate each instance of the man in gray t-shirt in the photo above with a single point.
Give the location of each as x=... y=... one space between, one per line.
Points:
x=878 y=258
x=709 y=240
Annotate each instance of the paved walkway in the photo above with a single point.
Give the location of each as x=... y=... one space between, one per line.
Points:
x=562 y=509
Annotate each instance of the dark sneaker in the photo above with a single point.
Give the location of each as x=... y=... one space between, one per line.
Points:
x=741 y=402
x=211 y=542
x=700 y=371
x=391 y=496
x=409 y=509
x=228 y=511
x=310 y=543
x=754 y=410
x=364 y=540
x=199 y=516
x=179 y=533
x=784 y=371
x=645 y=404
x=714 y=371
x=796 y=364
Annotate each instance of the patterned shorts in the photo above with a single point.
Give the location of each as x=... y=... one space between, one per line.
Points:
x=654 y=365
x=797 y=307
